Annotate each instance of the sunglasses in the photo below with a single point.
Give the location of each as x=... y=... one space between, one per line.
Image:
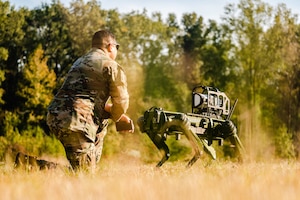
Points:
x=117 y=45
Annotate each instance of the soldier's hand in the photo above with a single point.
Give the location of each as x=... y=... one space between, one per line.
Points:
x=107 y=107
x=125 y=124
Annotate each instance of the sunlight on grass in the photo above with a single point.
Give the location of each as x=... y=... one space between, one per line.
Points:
x=119 y=180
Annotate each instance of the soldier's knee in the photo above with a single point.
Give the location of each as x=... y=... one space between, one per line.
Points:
x=83 y=160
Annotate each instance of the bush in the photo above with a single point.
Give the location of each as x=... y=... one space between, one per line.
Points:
x=284 y=144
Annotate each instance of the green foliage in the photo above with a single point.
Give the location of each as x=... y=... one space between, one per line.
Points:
x=36 y=86
x=284 y=144
x=112 y=142
x=4 y=144
x=83 y=19
x=9 y=125
x=3 y=53
x=11 y=24
x=264 y=54
x=51 y=146
x=2 y=78
x=11 y=45
x=48 y=26
x=9 y=132
x=194 y=39
x=179 y=148
x=35 y=142
x=31 y=139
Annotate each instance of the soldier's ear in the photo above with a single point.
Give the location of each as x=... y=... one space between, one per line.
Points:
x=109 y=47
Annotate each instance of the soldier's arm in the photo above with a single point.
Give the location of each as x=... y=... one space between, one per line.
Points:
x=120 y=100
x=118 y=92
x=124 y=123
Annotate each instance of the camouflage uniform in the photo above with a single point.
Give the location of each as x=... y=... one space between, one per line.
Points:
x=76 y=116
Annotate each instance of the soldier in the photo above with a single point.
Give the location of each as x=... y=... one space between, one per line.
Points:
x=94 y=90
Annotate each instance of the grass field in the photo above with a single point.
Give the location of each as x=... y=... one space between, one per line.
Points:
x=133 y=180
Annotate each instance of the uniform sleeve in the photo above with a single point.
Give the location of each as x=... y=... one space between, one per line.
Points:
x=118 y=92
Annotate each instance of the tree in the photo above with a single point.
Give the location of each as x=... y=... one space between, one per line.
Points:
x=35 y=88
x=3 y=57
x=282 y=42
x=218 y=67
x=152 y=51
x=129 y=33
x=207 y=49
x=267 y=49
x=194 y=38
x=83 y=20
x=11 y=51
x=47 y=25
x=25 y=126
x=247 y=23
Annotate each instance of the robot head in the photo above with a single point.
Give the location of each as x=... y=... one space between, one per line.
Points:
x=209 y=101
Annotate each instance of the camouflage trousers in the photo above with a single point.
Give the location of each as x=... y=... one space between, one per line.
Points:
x=82 y=151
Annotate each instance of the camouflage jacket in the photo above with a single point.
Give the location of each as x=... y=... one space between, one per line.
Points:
x=91 y=82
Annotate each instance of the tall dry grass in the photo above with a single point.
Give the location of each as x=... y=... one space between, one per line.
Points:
x=133 y=180
x=259 y=177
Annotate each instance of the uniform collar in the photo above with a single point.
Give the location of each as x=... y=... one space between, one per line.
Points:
x=98 y=50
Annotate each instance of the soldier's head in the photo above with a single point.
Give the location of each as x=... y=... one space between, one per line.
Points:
x=106 y=41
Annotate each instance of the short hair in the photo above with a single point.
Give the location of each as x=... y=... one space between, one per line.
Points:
x=102 y=38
